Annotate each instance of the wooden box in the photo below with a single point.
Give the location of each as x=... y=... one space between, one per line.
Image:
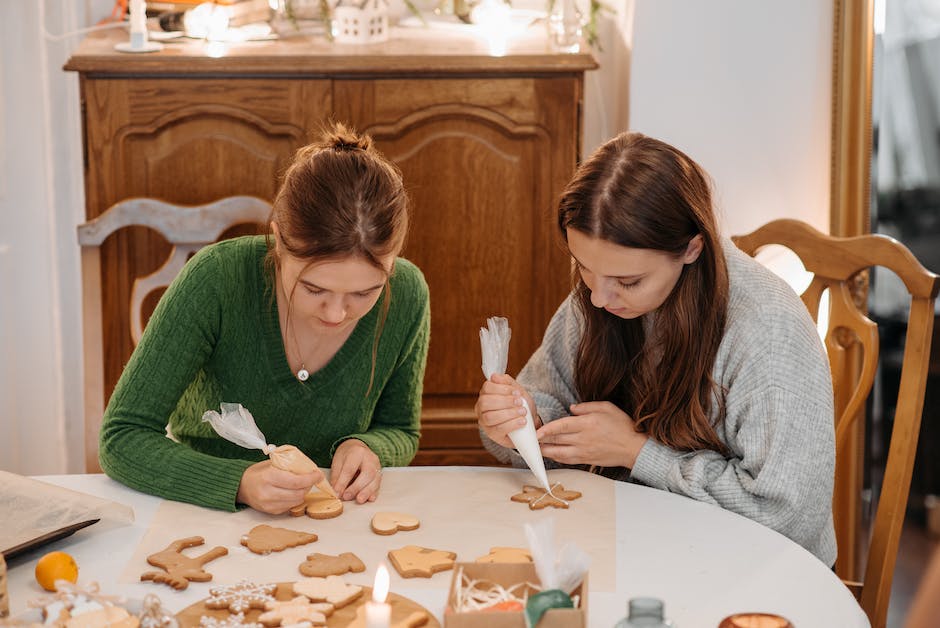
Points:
x=506 y=575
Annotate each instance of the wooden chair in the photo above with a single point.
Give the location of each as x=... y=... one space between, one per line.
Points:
x=840 y=265
x=186 y=229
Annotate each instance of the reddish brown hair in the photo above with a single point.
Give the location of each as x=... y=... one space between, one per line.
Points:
x=341 y=198
x=638 y=192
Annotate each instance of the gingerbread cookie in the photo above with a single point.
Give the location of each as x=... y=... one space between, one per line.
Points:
x=506 y=555
x=232 y=621
x=391 y=522
x=180 y=569
x=538 y=498
x=319 y=505
x=412 y=561
x=264 y=539
x=413 y=620
x=238 y=598
x=323 y=565
x=332 y=589
x=295 y=611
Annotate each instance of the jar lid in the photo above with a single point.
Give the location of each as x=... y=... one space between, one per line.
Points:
x=645 y=607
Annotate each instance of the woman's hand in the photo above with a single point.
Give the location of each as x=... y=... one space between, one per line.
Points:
x=499 y=408
x=356 y=472
x=266 y=488
x=597 y=433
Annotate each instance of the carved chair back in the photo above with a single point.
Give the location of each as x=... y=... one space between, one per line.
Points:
x=840 y=266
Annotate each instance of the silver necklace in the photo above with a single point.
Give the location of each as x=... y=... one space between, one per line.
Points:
x=302 y=373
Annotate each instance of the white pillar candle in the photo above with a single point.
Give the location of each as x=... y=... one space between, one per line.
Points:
x=138 y=10
x=378 y=612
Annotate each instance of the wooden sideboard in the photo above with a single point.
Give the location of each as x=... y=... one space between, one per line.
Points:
x=485 y=144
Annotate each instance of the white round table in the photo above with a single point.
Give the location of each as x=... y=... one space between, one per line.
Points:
x=705 y=563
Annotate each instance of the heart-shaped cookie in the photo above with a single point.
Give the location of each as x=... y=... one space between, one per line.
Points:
x=391 y=522
x=318 y=505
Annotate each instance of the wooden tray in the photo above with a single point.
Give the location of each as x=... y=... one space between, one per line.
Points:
x=402 y=607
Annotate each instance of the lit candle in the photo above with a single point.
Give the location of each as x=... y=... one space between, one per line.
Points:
x=378 y=612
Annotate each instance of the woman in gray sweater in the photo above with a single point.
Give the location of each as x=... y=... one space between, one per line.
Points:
x=677 y=361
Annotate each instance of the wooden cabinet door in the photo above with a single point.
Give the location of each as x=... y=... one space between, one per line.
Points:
x=186 y=141
x=483 y=160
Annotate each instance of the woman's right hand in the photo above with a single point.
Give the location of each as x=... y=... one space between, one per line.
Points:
x=499 y=408
x=266 y=488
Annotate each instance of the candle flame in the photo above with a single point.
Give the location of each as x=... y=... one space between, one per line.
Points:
x=380 y=589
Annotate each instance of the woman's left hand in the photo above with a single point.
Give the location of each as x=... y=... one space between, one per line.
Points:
x=597 y=433
x=356 y=472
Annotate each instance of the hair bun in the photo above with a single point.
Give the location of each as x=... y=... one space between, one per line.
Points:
x=340 y=138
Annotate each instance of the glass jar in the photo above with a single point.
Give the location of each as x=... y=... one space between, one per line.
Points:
x=564 y=25
x=644 y=612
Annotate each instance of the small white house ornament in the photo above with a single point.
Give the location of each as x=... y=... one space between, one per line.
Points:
x=365 y=23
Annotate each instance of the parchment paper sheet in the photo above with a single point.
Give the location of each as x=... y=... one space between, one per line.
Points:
x=30 y=508
x=461 y=510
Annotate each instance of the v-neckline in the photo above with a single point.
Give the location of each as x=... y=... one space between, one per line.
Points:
x=361 y=336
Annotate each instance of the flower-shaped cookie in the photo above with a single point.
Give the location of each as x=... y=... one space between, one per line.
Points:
x=295 y=611
x=238 y=598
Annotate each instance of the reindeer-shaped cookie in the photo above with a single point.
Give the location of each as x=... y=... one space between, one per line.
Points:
x=178 y=568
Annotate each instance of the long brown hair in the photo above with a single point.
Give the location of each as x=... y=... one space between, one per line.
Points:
x=341 y=198
x=639 y=192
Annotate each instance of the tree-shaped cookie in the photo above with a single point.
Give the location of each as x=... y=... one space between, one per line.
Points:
x=238 y=598
x=332 y=589
x=296 y=611
x=323 y=565
x=538 y=498
x=318 y=505
x=264 y=539
x=412 y=561
x=179 y=569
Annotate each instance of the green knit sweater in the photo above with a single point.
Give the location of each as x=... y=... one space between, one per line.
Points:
x=215 y=337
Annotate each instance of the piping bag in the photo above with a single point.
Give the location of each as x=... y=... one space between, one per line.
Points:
x=236 y=424
x=559 y=570
x=494 y=344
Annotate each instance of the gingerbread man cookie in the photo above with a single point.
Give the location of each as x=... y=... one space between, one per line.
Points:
x=323 y=565
x=179 y=569
x=238 y=598
x=264 y=539
x=538 y=498
x=506 y=555
x=332 y=589
x=386 y=523
x=295 y=611
x=319 y=505
x=412 y=561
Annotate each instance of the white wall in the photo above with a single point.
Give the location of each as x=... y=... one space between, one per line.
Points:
x=742 y=86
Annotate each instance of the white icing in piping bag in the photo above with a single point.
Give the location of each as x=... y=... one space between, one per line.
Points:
x=527 y=444
x=494 y=344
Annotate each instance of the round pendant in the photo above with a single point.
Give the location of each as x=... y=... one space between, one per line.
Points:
x=303 y=375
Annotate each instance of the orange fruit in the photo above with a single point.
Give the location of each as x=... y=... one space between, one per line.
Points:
x=55 y=566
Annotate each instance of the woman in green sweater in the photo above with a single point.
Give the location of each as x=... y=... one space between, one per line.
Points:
x=319 y=330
